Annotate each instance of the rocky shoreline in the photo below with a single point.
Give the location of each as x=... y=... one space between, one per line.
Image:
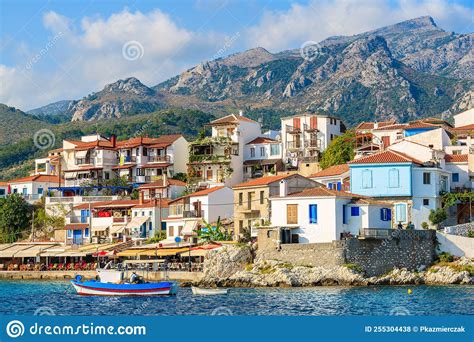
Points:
x=233 y=267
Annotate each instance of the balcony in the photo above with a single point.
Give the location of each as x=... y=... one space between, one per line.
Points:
x=293 y=129
x=294 y=145
x=159 y=159
x=193 y=214
x=84 y=161
x=309 y=128
x=129 y=159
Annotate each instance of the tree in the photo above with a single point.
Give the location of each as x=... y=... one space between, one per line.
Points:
x=181 y=176
x=339 y=151
x=15 y=217
x=437 y=216
x=215 y=232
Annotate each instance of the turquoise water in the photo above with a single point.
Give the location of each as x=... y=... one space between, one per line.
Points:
x=59 y=298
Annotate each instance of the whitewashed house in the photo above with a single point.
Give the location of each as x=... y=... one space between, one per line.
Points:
x=262 y=157
x=188 y=213
x=321 y=215
x=32 y=188
x=335 y=177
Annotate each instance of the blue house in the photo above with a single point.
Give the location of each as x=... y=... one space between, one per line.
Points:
x=386 y=174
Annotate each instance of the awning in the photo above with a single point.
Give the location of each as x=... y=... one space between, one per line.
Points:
x=31 y=252
x=76 y=226
x=52 y=252
x=116 y=229
x=100 y=229
x=137 y=221
x=81 y=154
x=126 y=166
x=9 y=252
x=155 y=166
x=73 y=254
x=130 y=252
x=163 y=251
x=196 y=253
x=262 y=162
x=189 y=227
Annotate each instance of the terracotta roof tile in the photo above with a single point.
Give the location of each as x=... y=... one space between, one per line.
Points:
x=36 y=178
x=206 y=191
x=456 y=158
x=262 y=140
x=162 y=141
x=464 y=128
x=159 y=184
x=386 y=157
x=262 y=181
x=332 y=171
x=323 y=192
x=232 y=118
x=371 y=125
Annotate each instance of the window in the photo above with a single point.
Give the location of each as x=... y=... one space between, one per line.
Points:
x=426 y=201
x=209 y=174
x=385 y=214
x=262 y=197
x=274 y=149
x=241 y=198
x=86 y=232
x=2 y=192
x=366 y=179
x=393 y=178
x=455 y=177
x=171 y=231
x=180 y=229
x=140 y=172
x=338 y=186
x=252 y=152
x=241 y=226
x=400 y=213
x=249 y=223
x=344 y=217
x=292 y=214
x=426 y=177
x=69 y=233
x=40 y=191
x=262 y=151
x=249 y=200
x=150 y=226
x=313 y=213
x=355 y=211
x=135 y=213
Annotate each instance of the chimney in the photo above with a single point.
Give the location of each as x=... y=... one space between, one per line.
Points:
x=141 y=197
x=376 y=125
x=283 y=188
x=113 y=140
x=241 y=113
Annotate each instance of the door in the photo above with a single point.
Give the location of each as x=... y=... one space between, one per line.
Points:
x=292 y=214
x=77 y=237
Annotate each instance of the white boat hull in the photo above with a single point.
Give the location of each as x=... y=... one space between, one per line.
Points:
x=93 y=291
x=208 y=292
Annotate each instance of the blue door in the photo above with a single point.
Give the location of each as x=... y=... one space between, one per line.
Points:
x=84 y=215
x=77 y=237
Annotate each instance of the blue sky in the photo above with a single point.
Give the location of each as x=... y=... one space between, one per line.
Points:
x=53 y=50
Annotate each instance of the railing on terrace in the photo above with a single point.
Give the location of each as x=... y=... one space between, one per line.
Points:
x=193 y=213
x=159 y=159
x=84 y=161
x=292 y=129
x=375 y=233
x=294 y=144
x=79 y=199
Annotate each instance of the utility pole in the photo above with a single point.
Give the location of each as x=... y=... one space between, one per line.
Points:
x=33 y=226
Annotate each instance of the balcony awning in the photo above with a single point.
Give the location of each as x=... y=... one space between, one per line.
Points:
x=100 y=228
x=163 y=252
x=130 y=252
x=189 y=227
x=117 y=229
x=81 y=154
x=137 y=221
x=31 y=252
x=11 y=251
x=262 y=162
x=156 y=166
x=76 y=226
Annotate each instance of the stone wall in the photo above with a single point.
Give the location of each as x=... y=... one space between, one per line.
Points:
x=402 y=249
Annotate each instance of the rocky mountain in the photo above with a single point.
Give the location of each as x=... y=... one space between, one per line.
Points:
x=55 y=108
x=404 y=71
x=124 y=97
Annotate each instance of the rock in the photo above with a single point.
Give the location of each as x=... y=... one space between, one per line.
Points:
x=447 y=275
x=398 y=277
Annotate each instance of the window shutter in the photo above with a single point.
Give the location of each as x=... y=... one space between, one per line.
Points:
x=313 y=213
x=339 y=187
x=330 y=186
x=389 y=214
x=382 y=212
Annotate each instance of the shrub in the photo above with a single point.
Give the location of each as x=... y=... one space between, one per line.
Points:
x=445 y=257
x=354 y=267
x=424 y=225
x=437 y=216
x=470 y=233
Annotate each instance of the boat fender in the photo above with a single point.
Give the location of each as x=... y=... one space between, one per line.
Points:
x=78 y=278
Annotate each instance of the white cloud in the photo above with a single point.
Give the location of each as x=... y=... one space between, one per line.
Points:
x=88 y=54
x=320 y=19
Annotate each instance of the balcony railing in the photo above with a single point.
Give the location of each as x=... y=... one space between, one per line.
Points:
x=376 y=233
x=292 y=145
x=193 y=213
x=84 y=161
x=292 y=129
x=313 y=143
x=158 y=159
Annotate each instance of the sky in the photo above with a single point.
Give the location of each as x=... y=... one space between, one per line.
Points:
x=64 y=50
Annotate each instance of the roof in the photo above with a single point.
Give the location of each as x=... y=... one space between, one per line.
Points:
x=206 y=191
x=464 y=128
x=114 y=203
x=323 y=192
x=262 y=140
x=370 y=201
x=159 y=184
x=262 y=181
x=411 y=125
x=371 y=125
x=84 y=168
x=232 y=118
x=86 y=145
x=162 y=141
x=456 y=158
x=3 y=184
x=150 y=204
x=386 y=157
x=36 y=178
x=334 y=170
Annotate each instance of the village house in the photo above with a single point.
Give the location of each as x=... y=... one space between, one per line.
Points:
x=321 y=215
x=411 y=185
x=3 y=189
x=51 y=165
x=262 y=157
x=145 y=160
x=218 y=160
x=33 y=188
x=163 y=188
x=335 y=177
x=252 y=200
x=190 y=212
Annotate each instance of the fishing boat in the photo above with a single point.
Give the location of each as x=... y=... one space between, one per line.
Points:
x=98 y=288
x=207 y=291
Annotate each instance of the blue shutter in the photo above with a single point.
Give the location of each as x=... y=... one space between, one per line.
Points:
x=313 y=213
x=455 y=177
x=382 y=214
x=339 y=186
x=389 y=214
x=344 y=218
x=354 y=211
x=330 y=186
